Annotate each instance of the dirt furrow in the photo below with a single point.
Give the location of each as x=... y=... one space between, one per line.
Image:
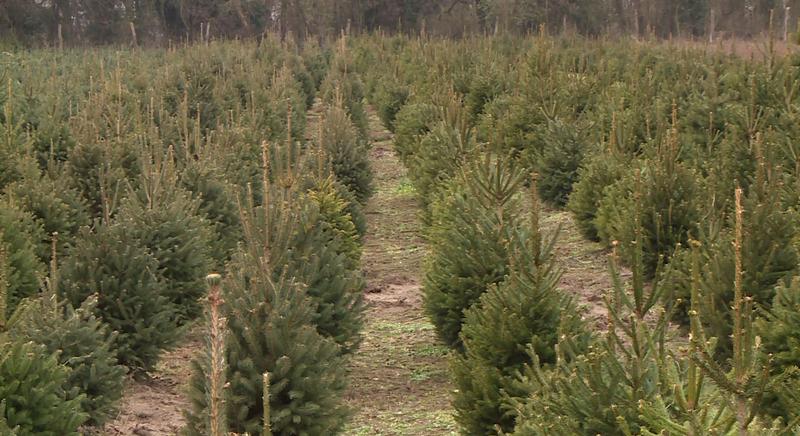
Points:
x=399 y=382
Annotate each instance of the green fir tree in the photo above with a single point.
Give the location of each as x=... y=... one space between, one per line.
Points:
x=346 y=151
x=32 y=396
x=82 y=343
x=470 y=237
x=525 y=313
x=122 y=272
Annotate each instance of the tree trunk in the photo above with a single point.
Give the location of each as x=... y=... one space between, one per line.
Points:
x=284 y=18
x=480 y=14
x=237 y=6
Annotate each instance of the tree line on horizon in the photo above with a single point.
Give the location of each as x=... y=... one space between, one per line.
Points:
x=157 y=22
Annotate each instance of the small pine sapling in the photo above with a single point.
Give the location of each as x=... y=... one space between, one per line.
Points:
x=525 y=313
x=470 y=238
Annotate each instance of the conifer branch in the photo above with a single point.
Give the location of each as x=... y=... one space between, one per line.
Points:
x=266 y=412
x=266 y=200
x=3 y=283
x=52 y=283
x=216 y=338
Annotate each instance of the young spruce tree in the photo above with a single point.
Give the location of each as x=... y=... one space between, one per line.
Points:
x=271 y=329
x=525 y=313
x=470 y=236
x=122 y=272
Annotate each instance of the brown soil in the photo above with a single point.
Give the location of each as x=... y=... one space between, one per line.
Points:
x=584 y=265
x=154 y=407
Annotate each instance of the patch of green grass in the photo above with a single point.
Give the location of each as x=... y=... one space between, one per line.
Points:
x=407 y=423
x=431 y=350
x=405 y=188
x=422 y=374
x=402 y=327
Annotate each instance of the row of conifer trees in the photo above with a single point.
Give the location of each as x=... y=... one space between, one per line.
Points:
x=681 y=162
x=128 y=177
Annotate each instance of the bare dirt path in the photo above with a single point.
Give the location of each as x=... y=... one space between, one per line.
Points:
x=584 y=265
x=399 y=383
x=154 y=407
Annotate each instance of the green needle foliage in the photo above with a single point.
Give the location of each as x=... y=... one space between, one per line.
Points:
x=390 y=98
x=439 y=154
x=131 y=296
x=83 y=344
x=779 y=329
x=216 y=204
x=346 y=151
x=557 y=164
x=342 y=83
x=472 y=228
x=273 y=327
x=33 y=400
x=336 y=219
x=56 y=208
x=523 y=314
x=164 y=218
x=666 y=192
x=768 y=254
x=600 y=170
x=600 y=391
x=19 y=235
x=637 y=382
x=306 y=249
x=271 y=330
x=412 y=122
x=99 y=172
x=353 y=208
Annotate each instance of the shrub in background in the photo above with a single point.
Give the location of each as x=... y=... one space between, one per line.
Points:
x=343 y=84
x=336 y=220
x=412 y=122
x=599 y=171
x=217 y=205
x=55 y=208
x=163 y=218
x=662 y=197
x=346 y=152
x=390 y=98
x=99 y=173
x=562 y=150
